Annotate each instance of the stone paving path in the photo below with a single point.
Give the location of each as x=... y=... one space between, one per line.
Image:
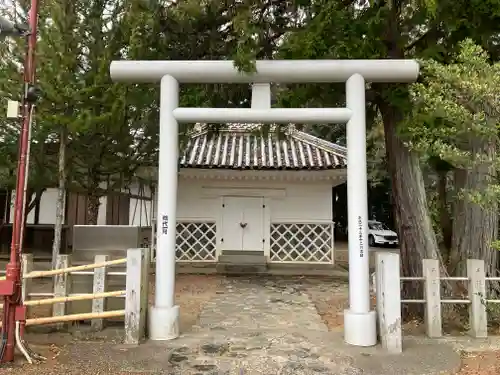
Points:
x=266 y=305
x=258 y=327
x=264 y=326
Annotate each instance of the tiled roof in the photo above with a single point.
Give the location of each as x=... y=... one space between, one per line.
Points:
x=238 y=146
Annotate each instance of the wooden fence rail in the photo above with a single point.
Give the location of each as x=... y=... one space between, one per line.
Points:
x=135 y=292
x=388 y=291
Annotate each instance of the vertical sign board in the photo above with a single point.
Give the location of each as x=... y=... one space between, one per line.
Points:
x=164 y=224
x=360 y=237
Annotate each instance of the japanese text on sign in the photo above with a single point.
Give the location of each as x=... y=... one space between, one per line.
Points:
x=164 y=224
x=360 y=237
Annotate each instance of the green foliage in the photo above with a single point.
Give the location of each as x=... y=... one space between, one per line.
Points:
x=77 y=41
x=456 y=115
x=453 y=103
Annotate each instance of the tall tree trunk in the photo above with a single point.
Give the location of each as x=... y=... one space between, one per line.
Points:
x=475 y=226
x=417 y=237
x=61 y=197
x=445 y=221
x=93 y=203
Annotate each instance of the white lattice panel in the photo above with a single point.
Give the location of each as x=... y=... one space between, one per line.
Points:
x=306 y=243
x=196 y=242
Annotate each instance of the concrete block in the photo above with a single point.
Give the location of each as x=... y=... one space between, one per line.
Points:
x=478 y=318
x=61 y=287
x=99 y=286
x=433 y=318
x=388 y=291
x=136 y=295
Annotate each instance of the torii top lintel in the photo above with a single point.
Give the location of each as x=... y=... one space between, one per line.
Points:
x=278 y=71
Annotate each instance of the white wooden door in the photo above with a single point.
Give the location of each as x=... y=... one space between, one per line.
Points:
x=253 y=221
x=232 y=233
x=243 y=223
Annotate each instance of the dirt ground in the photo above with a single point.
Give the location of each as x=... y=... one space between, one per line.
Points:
x=487 y=363
x=193 y=291
x=331 y=309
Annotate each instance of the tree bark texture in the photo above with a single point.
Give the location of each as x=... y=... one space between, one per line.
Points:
x=445 y=221
x=417 y=237
x=61 y=198
x=475 y=226
x=93 y=203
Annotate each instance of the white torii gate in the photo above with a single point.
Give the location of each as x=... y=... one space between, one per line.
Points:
x=359 y=320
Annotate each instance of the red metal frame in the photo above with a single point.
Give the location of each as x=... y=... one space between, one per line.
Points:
x=10 y=288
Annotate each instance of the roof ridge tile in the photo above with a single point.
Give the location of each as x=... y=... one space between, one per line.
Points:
x=251 y=152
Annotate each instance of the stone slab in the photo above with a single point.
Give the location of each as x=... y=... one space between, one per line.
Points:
x=243 y=259
x=243 y=252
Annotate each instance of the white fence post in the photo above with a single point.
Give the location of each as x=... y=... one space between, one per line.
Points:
x=27 y=267
x=388 y=290
x=61 y=287
x=99 y=286
x=433 y=320
x=136 y=297
x=478 y=318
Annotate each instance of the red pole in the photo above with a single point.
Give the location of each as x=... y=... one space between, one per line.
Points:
x=13 y=273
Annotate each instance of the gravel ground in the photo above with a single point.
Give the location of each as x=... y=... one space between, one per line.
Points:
x=193 y=291
x=331 y=306
x=330 y=298
x=486 y=363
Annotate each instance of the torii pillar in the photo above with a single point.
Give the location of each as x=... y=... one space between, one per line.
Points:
x=359 y=320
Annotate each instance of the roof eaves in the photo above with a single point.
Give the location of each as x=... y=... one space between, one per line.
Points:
x=320 y=143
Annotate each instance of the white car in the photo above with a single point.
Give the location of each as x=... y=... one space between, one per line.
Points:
x=379 y=234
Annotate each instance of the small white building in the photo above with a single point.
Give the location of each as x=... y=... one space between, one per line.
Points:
x=247 y=191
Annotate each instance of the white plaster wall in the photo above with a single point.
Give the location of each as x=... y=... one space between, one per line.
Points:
x=294 y=201
x=101 y=215
x=200 y=200
x=302 y=203
x=192 y=205
x=31 y=216
x=48 y=209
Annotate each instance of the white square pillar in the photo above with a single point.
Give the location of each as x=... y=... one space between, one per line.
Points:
x=360 y=323
x=164 y=315
x=389 y=301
